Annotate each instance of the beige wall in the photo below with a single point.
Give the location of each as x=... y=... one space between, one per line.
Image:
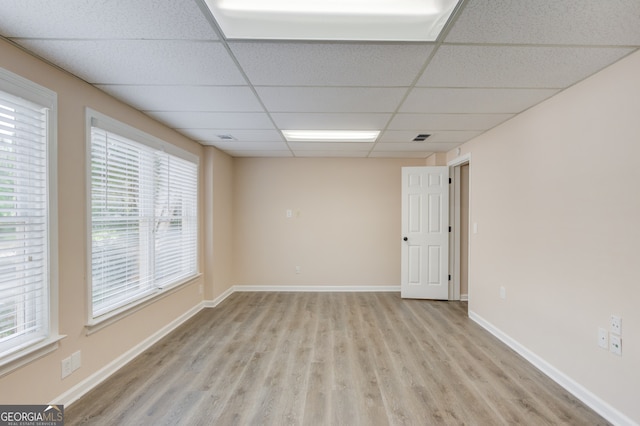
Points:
x=556 y=196
x=345 y=228
x=39 y=382
x=218 y=219
x=436 y=159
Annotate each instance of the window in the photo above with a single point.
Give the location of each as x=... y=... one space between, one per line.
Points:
x=144 y=230
x=28 y=262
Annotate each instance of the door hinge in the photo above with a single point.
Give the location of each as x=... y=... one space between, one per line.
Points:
x=449 y=277
x=449 y=180
x=449 y=229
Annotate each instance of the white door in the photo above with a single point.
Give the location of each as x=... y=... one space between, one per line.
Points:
x=425 y=233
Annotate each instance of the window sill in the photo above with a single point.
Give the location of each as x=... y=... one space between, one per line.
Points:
x=97 y=324
x=29 y=354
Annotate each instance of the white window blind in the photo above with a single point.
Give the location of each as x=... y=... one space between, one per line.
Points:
x=24 y=267
x=143 y=220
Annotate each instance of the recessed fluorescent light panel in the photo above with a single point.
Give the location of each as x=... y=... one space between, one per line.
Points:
x=331 y=135
x=374 y=20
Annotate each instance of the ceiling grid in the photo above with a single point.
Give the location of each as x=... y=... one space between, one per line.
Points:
x=169 y=59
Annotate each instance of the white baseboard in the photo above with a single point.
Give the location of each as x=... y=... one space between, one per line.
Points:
x=594 y=402
x=80 y=389
x=317 y=288
x=215 y=302
x=464 y=297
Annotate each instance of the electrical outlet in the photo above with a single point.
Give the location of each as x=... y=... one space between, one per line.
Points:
x=616 y=325
x=615 y=344
x=200 y=289
x=603 y=338
x=289 y=213
x=298 y=269
x=67 y=368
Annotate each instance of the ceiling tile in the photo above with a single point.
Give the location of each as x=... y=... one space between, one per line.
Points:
x=482 y=101
x=213 y=120
x=515 y=66
x=331 y=64
x=164 y=58
x=239 y=135
x=586 y=22
x=113 y=19
x=330 y=99
x=331 y=146
x=186 y=98
x=329 y=121
x=447 y=121
x=414 y=146
x=261 y=154
x=141 y=61
x=248 y=146
x=341 y=154
x=400 y=154
x=436 y=136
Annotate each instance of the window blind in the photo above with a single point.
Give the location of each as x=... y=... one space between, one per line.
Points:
x=143 y=220
x=24 y=281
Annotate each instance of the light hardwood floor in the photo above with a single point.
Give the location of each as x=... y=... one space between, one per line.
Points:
x=329 y=359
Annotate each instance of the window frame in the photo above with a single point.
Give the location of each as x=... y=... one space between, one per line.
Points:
x=38 y=347
x=94 y=118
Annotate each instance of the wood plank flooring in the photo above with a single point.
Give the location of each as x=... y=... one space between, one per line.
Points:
x=329 y=359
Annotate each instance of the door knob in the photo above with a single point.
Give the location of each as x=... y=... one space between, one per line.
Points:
x=405 y=239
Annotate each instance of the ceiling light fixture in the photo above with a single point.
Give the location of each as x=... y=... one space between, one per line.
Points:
x=349 y=7
x=331 y=135
x=375 y=20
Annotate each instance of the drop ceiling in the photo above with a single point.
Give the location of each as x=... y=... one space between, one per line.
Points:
x=167 y=58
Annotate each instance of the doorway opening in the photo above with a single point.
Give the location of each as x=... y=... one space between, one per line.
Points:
x=459 y=220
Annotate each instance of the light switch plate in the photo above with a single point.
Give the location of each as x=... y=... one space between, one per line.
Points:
x=76 y=360
x=616 y=325
x=67 y=367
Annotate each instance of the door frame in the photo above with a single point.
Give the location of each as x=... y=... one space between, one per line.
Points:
x=454 y=220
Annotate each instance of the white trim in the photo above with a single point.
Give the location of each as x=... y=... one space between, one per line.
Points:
x=218 y=300
x=317 y=288
x=454 y=236
x=96 y=324
x=35 y=351
x=80 y=389
x=52 y=222
x=97 y=119
x=21 y=87
x=594 y=402
x=87 y=216
x=464 y=297
x=460 y=160
x=27 y=89
x=455 y=220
